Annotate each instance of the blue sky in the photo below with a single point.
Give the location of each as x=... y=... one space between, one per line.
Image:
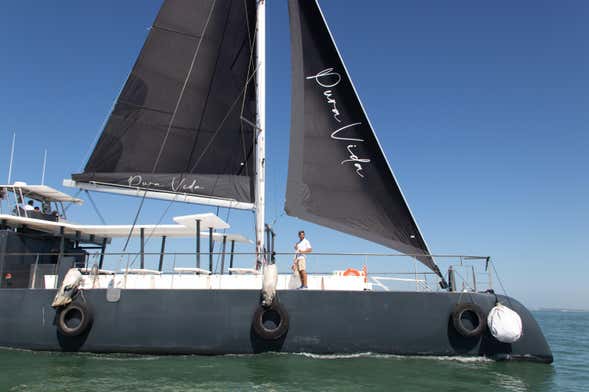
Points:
x=481 y=108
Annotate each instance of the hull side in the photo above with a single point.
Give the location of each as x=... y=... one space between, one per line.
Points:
x=220 y=322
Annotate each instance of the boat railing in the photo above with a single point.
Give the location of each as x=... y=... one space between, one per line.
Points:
x=383 y=271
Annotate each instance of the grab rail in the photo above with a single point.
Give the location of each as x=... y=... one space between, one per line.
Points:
x=471 y=273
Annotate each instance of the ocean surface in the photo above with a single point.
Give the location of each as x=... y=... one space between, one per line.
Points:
x=567 y=334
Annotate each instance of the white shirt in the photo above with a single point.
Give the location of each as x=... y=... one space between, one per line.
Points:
x=28 y=207
x=302 y=245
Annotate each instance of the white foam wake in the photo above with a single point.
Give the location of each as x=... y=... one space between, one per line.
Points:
x=462 y=359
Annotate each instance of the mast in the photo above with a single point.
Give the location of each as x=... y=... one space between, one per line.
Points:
x=260 y=131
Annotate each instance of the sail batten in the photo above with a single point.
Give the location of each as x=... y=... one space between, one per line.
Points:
x=197 y=37
x=338 y=175
x=178 y=117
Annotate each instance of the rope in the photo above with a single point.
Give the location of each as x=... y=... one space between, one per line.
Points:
x=175 y=112
x=186 y=79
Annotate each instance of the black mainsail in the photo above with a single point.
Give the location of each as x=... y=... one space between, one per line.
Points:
x=338 y=176
x=178 y=125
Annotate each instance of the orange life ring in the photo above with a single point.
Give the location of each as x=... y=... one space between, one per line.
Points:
x=352 y=272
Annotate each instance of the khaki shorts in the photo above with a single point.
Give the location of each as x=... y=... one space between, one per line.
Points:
x=301 y=264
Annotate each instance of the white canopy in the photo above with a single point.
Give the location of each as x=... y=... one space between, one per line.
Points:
x=41 y=193
x=178 y=231
x=113 y=231
x=206 y=220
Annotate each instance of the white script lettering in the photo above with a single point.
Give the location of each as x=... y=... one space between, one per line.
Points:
x=354 y=158
x=337 y=131
x=332 y=102
x=184 y=186
x=326 y=78
x=136 y=181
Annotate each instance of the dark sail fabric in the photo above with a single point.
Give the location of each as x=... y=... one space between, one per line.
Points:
x=338 y=176
x=205 y=149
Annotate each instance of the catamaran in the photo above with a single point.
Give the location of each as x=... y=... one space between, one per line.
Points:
x=189 y=126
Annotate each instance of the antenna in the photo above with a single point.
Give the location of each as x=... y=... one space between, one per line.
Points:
x=11 y=157
x=44 y=165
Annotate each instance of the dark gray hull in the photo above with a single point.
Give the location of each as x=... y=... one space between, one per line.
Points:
x=220 y=322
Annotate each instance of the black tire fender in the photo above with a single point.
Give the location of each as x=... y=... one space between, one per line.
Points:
x=74 y=319
x=274 y=314
x=475 y=314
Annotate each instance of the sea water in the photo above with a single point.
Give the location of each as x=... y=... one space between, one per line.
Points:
x=567 y=334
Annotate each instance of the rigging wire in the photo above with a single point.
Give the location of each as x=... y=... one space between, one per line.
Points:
x=175 y=112
x=161 y=218
x=134 y=222
x=76 y=195
x=209 y=90
x=499 y=280
x=190 y=69
x=95 y=208
x=244 y=91
x=222 y=122
x=276 y=219
x=219 y=253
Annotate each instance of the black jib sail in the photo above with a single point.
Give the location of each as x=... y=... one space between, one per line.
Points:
x=338 y=176
x=178 y=125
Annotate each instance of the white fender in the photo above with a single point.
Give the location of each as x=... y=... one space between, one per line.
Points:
x=505 y=324
x=71 y=282
x=269 y=284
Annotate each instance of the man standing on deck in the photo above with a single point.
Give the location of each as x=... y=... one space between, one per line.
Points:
x=302 y=247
